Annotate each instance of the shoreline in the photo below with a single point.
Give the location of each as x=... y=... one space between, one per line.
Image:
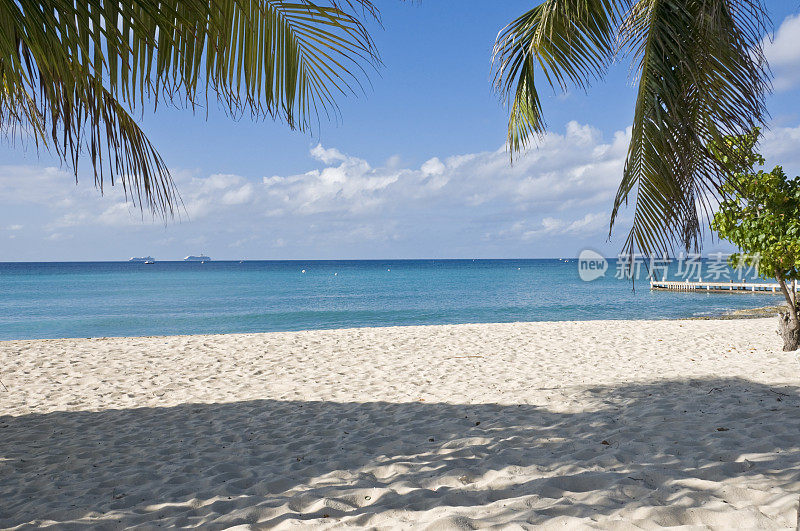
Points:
x=751 y=313
x=550 y=424
x=728 y=315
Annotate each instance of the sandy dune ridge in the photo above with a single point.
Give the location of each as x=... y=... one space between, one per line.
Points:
x=607 y=424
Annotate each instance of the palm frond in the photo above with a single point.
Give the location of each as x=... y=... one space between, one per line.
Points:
x=571 y=41
x=73 y=71
x=701 y=77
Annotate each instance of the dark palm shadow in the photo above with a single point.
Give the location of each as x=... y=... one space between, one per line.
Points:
x=653 y=452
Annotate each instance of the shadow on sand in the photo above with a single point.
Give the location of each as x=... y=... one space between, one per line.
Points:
x=668 y=453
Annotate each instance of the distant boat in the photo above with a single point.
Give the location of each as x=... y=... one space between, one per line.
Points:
x=142 y=259
x=201 y=258
x=149 y=261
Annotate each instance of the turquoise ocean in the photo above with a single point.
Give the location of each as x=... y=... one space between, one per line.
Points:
x=104 y=299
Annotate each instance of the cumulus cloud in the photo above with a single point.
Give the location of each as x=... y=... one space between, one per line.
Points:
x=551 y=201
x=591 y=223
x=239 y=196
x=781 y=145
x=433 y=166
x=327 y=156
x=573 y=170
x=783 y=54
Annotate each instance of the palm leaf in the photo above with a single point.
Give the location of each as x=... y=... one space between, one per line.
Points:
x=73 y=72
x=701 y=78
x=571 y=41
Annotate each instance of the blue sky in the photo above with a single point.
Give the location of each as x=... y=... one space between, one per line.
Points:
x=414 y=168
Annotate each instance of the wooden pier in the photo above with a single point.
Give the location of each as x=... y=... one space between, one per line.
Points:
x=718 y=287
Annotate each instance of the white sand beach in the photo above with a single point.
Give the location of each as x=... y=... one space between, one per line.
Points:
x=606 y=424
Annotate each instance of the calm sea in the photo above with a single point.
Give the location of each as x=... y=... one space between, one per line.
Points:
x=97 y=299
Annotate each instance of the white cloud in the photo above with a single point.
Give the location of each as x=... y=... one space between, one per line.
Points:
x=71 y=219
x=327 y=155
x=783 y=54
x=559 y=192
x=589 y=224
x=238 y=196
x=27 y=184
x=781 y=145
x=433 y=166
x=57 y=236
x=574 y=170
x=118 y=214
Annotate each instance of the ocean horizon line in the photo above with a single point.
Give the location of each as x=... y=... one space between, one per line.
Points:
x=235 y=260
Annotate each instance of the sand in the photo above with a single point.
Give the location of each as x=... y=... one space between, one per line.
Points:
x=606 y=424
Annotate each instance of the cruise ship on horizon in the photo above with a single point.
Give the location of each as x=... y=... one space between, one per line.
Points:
x=142 y=259
x=193 y=258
